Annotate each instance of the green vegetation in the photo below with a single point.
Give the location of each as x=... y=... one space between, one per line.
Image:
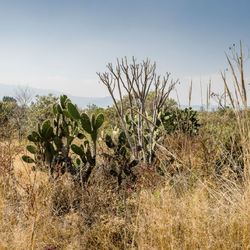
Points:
x=53 y=141
x=142 y=174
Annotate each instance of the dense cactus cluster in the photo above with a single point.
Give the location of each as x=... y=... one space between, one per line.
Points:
x=52 y=143
x=68 y=141
x=120 y=160
x=180 y=120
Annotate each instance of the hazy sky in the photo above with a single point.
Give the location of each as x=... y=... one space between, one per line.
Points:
x=59 y=44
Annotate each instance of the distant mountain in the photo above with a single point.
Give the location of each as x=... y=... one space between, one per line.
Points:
x=82 y=102
x=200 y=108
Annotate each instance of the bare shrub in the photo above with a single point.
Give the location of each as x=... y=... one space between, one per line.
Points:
x=136 y=80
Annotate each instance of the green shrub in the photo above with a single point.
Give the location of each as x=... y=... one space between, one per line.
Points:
x=180 y=120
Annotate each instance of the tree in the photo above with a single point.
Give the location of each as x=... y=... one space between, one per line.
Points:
x=169 y=103
x=93 y=109
x=137 y=80
x=23 y=95
x=7 y=118
x=9 y=99
x=41 y=110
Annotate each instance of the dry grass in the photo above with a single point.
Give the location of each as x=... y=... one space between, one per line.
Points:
x=187 y=209
x=194 y=197
x=203 y=218
x=36 y=213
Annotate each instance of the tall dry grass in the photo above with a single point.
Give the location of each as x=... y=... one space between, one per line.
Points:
x=37 y=213
x=205 y=217
x=190 y=208
x=211 y=211
x=194 y=197
x=236 y=90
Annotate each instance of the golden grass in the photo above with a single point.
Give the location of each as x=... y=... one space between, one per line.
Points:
x=204 y=218
x=190 y=208
x=207 y=214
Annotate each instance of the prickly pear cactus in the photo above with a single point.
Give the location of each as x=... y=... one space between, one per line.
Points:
x=52 y=147
x=87 y=150
x=181 y=120
x=120 y=159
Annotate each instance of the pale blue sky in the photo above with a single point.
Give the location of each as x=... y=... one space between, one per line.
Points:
x=60 y=44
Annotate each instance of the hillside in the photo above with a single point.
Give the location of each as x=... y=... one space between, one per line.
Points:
x=82 y=102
